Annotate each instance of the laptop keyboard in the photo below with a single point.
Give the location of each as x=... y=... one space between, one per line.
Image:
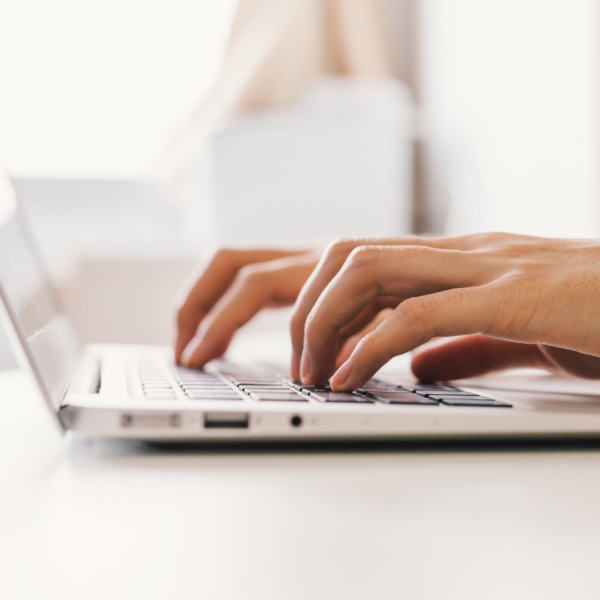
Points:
x=240 y=383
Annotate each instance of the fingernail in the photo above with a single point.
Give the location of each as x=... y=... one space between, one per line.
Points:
x=306 y=365
x=189 y=358
x=342 y=375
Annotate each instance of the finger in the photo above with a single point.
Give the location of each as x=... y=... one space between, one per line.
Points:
x=356 y=327
x=366 y=316
x=373 y=271
x=352 y=341
x=275 y=284
x=474 y=355
x=213 y=276
x=335 y=257
x=416 y=321
x=572 y=362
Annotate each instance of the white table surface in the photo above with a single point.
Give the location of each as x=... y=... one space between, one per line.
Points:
x=81 y=519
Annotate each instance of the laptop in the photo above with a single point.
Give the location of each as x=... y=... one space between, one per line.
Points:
x=130 y=391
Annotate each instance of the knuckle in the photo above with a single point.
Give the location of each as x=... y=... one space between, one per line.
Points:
x=223 y=258
x=309 y=322
x=491 y=239
x=495 y=236
x=297 y=325
x=181 y=317
x=219 y=254
x=311 y=329
x=374 y=345
x=417 y=312
x=403 y=253
x=363 y=256
x=251 y=276
x=339 y=249
x=371 y=342
x=185 y=314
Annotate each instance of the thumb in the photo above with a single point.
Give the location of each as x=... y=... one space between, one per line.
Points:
x=473 y=355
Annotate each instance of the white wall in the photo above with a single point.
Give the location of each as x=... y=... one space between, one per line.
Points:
x=92 y=88
x=512 y=92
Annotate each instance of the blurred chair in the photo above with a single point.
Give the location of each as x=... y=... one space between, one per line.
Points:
x=336 y=163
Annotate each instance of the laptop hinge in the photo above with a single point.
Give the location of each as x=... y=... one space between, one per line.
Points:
x=88 y=379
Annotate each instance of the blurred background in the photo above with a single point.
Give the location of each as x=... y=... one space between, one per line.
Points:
x=138 y=132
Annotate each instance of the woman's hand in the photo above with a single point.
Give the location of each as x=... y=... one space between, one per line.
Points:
x=228 y=289
x=535 y=300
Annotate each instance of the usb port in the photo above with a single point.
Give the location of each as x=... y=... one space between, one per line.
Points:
x=226 y=420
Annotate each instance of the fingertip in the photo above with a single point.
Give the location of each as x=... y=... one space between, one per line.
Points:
x=423 y=367
x=471 y=356
x=297 y=339
x=306 y=369
x=341 y=380
x=193 y=355
x=453 y=358
x=209 y=346
x=187 y=360
x=178 y=350
x=295 y=365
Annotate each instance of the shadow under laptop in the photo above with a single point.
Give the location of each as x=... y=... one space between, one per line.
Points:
x=106 y=448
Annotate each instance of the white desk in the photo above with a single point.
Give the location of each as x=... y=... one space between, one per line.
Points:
x=81 y=520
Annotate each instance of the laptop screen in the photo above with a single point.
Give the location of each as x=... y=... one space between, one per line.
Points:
x=45 y=332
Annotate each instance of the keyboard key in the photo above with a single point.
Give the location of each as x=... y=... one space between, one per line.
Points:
x=219 y=399
x=199 y=377
x=372 y=385
x=157 y=386
x=213 y=381
x=258 y=382
x=315 y=388
x=340 y=397
x=205 y=386
x=391 y=397
x=457 y=393
x=471 y=401
x=389 y=388
x=211 y=391
x=195 y=395
x=424 y=387
x=247 y=372
x=268 y=390
x=276 y=385
x=266 y=397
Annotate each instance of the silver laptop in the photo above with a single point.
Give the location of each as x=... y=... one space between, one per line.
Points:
x=125 y=391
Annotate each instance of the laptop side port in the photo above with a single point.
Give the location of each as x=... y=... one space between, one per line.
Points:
x=153 y=419
x=226 y=420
